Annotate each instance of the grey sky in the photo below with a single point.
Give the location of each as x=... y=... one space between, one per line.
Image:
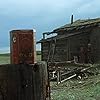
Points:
x=43 y=15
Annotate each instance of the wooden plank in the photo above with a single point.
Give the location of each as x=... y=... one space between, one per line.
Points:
x=69 y=78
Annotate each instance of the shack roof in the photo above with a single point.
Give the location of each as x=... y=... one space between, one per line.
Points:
x=58 y=37
x=78 y=25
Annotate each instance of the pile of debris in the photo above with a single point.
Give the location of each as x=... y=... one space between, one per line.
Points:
x=62 y=72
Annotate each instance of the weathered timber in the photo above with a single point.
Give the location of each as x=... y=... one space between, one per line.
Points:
x=69 y=78
x=66 y=64
x=16 y=82
x=24 y=82
x=74 y=73
x=62 y=77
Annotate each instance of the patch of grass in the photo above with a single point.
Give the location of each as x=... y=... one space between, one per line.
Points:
x=77 y=94
x=5 y=58
x=89 y=89
x=38 y=52
x=6 y=54
x=38 y=57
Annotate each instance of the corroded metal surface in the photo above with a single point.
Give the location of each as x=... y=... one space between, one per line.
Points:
x=22 y=45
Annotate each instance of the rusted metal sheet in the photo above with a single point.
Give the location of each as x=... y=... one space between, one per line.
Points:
x=22 y=46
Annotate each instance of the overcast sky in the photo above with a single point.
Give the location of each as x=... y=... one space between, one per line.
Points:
x=42 y=15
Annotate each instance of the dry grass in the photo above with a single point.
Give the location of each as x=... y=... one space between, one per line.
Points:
x=5 y=58
x=74 y=89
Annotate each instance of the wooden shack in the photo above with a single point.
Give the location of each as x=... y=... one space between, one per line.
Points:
x=80 y=39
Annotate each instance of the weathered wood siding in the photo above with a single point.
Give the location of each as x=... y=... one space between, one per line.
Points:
x=16 y=82
x=95 y=44
x=24 y=82
x=61 y=50
x=54 y=50
x=45 y=46
x=65 y=49
x=76 y=42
